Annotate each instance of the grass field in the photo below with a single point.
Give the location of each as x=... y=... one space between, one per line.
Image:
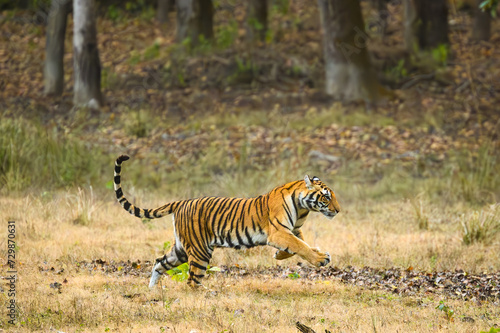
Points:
x=417 y=180
x=57 y=231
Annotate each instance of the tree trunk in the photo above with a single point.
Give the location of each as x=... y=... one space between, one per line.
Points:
x=349 y=73
x=54 y=47
x=87 y=67
x=195 y=19
x=257 y=12
x=164 y=7
x=383 y=14
x=410 y=26
x=482 y=23
x=426 y=24
x=23 y=4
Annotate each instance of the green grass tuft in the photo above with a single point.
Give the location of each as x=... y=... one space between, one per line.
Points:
x=31 y=156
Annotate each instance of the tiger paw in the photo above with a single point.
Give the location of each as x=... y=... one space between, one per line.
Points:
x=322 y=259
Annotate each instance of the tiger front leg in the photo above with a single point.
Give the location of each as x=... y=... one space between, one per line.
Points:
x=281 y=255
x=198 y=267
x=287 y=242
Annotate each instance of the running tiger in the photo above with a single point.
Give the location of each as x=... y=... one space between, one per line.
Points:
x=274 y=219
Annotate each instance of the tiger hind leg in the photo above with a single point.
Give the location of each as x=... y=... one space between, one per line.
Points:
x=176 y=257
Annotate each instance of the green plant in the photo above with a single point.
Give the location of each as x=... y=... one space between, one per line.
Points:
x=446 y=310
x=113 y=13
x=493 y=329
x=294 y=276
x=138 y=123
x=399 y=71
x=475 y=174
x=246 y=71
x=152 y=52
x=489 y=5
x=166 y=246
x=481 y=226
x=181 y=272
x=32 y=155
x=440 y=54
x=281 y=6
x=227 y=34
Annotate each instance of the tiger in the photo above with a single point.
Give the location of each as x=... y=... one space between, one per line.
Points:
x=202 y=224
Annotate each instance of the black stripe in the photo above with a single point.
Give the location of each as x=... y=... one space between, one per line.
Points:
x=157 y=271
x=228 y=204
x=164 y=266
x=195 y=264
x=233 y=214
x=118 y=169
x=137 y=211
x=250 y=241
x=119 y=193
x=281 y=224
x=127 y=205
x=253 y=224
x=195 y=281
x=117 y=179
x=229 y=241
x=215 y=216
x=181 y=255
x=240 y=240
x=287 y=211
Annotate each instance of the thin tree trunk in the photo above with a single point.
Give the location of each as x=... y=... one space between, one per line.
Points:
x=410 y=25
x=205 y=17
x=349 y=73
x=195 y=19
x=23 y=4
x=426 y=24
x=482 y=23
x=87 y=67
x=54 y=47
x=257 y=20
x=383 y=14
x=434 y=28
x=164 y=7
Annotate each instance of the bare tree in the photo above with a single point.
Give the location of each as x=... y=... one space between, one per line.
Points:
x=87 y=67
x=426 y=24
x=482 y=23
x=164 y=6
x=54 y=47
x=348 y=70
x=195 y=19
x=257 y=12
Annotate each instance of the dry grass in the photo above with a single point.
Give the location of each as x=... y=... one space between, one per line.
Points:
x=366 y=233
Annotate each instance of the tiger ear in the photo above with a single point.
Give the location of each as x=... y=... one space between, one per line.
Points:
x=309 y=184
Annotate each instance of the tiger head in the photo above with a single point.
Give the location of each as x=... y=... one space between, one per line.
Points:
x=320 y=198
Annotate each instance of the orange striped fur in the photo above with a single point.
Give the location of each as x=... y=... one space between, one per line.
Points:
x=271 y=219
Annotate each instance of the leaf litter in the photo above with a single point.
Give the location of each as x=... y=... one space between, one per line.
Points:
x=457 y=284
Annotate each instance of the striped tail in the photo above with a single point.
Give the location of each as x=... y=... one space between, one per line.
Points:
x=129 y=207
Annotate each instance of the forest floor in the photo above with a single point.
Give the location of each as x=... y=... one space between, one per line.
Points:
x=414 y=249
